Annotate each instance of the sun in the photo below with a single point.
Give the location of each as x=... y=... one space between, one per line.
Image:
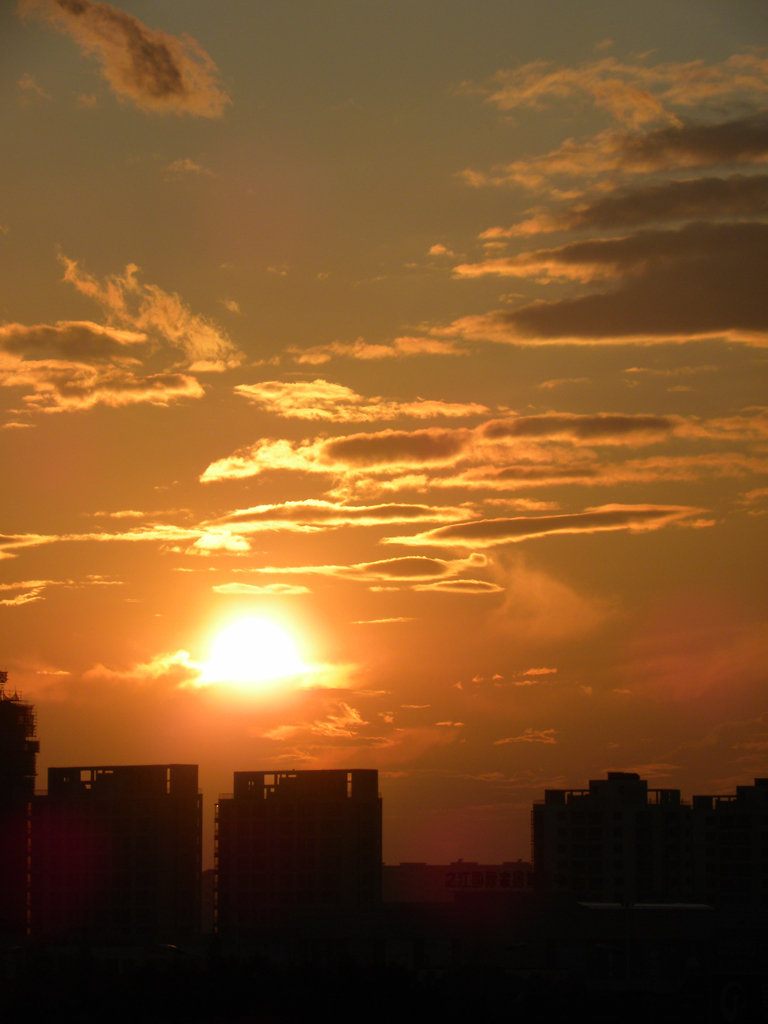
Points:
x=252 y=651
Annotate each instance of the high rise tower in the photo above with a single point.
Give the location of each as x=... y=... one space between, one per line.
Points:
x=18 y=755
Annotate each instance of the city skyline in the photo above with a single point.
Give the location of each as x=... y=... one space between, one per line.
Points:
x=384 y=385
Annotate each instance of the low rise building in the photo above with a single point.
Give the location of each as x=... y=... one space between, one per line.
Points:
x=441 y=883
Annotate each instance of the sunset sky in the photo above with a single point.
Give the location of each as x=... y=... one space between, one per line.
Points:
x=433 y=333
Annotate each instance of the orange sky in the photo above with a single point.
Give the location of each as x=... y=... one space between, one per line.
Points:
x=432 y=337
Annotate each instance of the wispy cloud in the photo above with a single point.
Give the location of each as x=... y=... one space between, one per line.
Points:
x=633 y=93
x=315 y=514
x=30 y=91
x=147 y=308
x=185 y=165
x=412 y=568
x=177 y=667
x=340 y=721
x=530 y=736
x=271 y=589
x=33 y=590
x=465 y=586
x=491 y=532
x=322 y=400
x=400 y=348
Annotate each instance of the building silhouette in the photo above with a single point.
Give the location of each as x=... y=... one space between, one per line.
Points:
x=297 y=848
x=621 y=842
x=116 y=855
x=617 y=841
x=18 y=754
x=730 y=842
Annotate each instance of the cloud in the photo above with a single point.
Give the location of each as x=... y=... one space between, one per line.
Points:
x=740 y=141
x=400 y=447
x=342 y=721
x=465 y=586
x=702 y=281
x=64 y=386
x=530 y=736
x=153 y=70
x=177 y=668
x=315 y=514
x=322 y=400
x=605 y=428
x=671 y=371
x=385 y=449
x=77 y=364
x=400 y=348
x=261 y=457
x=216 y=542
x=29 y=91
x=562 y=381
x=539 y=672
x=541 y=608
x=33 y=590
x=279 y=589
x=600 y=258
x=502 y=454
x=155 y=532
x=72 y=339
x=411 y=568
x=490 y=532
x=382 y=622
x=738 y=195
x=131 y=513
x=184 y=165
x=632 y=93
x=148 y=308
x=554 y=467
x=527 y=504
x=593 y=474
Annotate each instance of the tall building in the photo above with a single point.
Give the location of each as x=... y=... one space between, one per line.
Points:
x=617 y=841
x=730 y=839
x=297 y=847
x=116 y=855
x=18 y=753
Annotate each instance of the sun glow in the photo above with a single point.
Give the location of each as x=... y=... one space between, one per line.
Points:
x=252 y=652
